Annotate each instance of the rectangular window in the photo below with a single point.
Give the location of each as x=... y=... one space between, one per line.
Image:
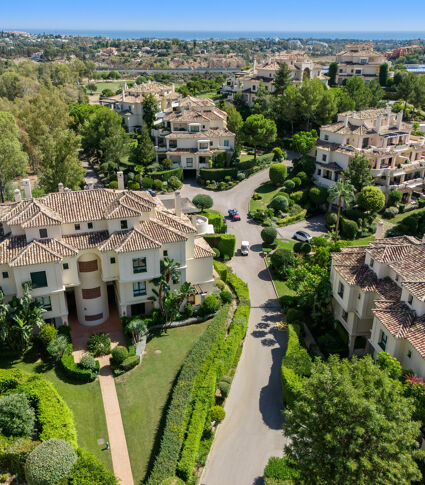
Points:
x=45 y=302
x=43 y=233
x=5 y=275
x=139 y=288
x=396 y=277
x=189 y=162
x=410 y=299
x=226 y=143
x=165 y=253
x=124 y=224
x=383 y=341
x=38 y=279
x=139 y=265
x=324 y=158
x=341 y=290
x=371 y=262
x=326 y=137
x=65 y=266
x=345 y=316
x=409 y=354
x=77 y=227
x=112 y=260
x=90 y=225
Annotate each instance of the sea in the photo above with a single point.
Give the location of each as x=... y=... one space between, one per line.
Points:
x=232 y=35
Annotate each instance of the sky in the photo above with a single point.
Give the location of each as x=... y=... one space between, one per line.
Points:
x=221 y=15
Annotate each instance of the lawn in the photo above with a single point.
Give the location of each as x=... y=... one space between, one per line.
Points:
x=400 y=217
x=363 y=241
x=267 y=192
x=84 y=400
x=281 y=286
x=143 y=393
x=112 y=85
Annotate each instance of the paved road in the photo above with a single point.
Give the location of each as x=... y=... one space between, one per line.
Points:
x=252 y=430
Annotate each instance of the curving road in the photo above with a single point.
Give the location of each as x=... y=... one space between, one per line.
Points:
x=252 y=429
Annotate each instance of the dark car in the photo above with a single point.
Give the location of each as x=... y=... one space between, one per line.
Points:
x=152 y=192
x=233 y=212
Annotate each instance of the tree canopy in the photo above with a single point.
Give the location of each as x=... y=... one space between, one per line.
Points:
x=371 y=198
x=258 y=131
x=359 y=172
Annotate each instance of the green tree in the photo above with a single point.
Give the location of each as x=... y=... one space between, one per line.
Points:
x=383 y=74
x=268 y=235
x=281 y=260
x=327 y=108
x=282 y=79
x=17 y=417
x=333 y=71
x=343 y=100
x=357 y=91
x=234 y=123
x=262 y=103
x=60 y=161
x=311 y=91
x=359 y=172
x=143 y=153
x=371 y=198
x=351 y=424
x=202 y=201
x=389 y=364
x=341 y=192
x=304 y=141
x=277 y=174
x=286 y=109
x=375 y=94
x=150 y=109
x=258 y=131
x=13 y=161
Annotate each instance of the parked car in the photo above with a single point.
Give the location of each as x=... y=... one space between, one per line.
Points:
x=152 y=192
x=245 y=248
x=236 y=217
x=232 y=212
x=302 y=236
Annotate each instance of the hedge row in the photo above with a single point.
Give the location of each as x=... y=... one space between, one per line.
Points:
x=296 y=364
x=217 y=174
x=221 y=269
x=184 y=391
x=216 y=219
x=74 y=371
x=165 y=175
x=225 y=243
x=53 y=415
x=291 y=219
x=240 y=288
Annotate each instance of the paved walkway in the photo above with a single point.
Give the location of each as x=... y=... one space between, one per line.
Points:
x=116 y=435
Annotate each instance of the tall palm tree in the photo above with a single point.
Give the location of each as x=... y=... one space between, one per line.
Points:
x=342 y=191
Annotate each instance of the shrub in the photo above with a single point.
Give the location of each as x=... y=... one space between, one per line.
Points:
x=268 y=235
x=130 y=362
x=225 y=243
x=280 y=471
x=47 y=333
x=217 y=174
x=202 y=201
x=157 y=185
x=119 y=354
x=209 y=305
x=318 y=195
x=17 y=417
x=281 y=259
x=15 y=453
x=147 y=182
x=294 y=315
x=371 y=198
x=216 y=219
x=57 y=347
x=75 y=371
x=279 y=203
x=174 y=183
x=113 y=184
x=289 y=185
x=277 y=154
x=217 y=414
x=240 y=176
x=331 y=218
x=394 y=197
x=302 y=247
x=389 y=364
x=391 y=212
x=188 y=310
x=50 y=462
x=217 y=252
x=297 y=181
x=224 y=388
x=99 y=344
x=88 y=362
x=226 y=296
x=172 y=481
x=303 y=177
x=133 y=185
x=221 y=269
x=277 y=174
x=349 y=228
x=89 y=470
x=291 y=219
x=166 y=175
x=166 y=163
x=297 y=196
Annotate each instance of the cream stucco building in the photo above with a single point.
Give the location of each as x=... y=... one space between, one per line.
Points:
x=192 y=134
x=379 y=298
x=84 y=251
x=397 y=158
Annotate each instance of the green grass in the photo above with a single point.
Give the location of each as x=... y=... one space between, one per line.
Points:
x=112 y=85
x=400 y=217
x=144 y=392
x=267 y=192
x=84 y=400
x=363 y=241
x=286 y=243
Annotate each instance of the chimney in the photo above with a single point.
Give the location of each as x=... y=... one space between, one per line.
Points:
x=123 y=96
x=173 y=89
x=120 y=178
x=60 y=186
x=90 y=185
x=27 y=188
x=18 y=196
x=254 y=69
x=178 y=204
x=346 y=121
x=378 y=123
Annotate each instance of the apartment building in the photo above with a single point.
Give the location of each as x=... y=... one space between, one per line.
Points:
x=129 y=104
x=192 y=134
x=247 y=82
x=86 y=251
x=359 y=60
x=379 y=298
x=396 y=156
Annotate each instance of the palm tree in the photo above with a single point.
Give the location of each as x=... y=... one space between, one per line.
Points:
x=137 y=327
x=341 y=191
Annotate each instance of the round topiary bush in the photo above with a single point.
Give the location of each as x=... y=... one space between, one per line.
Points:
x=371 y=199
x=331 y=218
x=147 y=182
x=289 y=185
x=391 y=212
x=119 y=354
x=277 y=174
x=87 y=362
x=157 y=185
x=17 y=417
x=202 y=201
x=394 y=197
x=297 y=181
x=268 y=235
x=280 y=203
x=209 y=305
x=47 y=333
x=224 y=388
x=217 y=414
x=226 y=296
x=50 y=462
x=99 y=344
x=349 y=228
x=172 y=481
x=220 y=284
x=277 y=154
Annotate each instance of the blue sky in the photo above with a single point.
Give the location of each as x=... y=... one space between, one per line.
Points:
x=234 y=15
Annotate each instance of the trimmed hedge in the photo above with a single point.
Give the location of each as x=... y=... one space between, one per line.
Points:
x=165 y=175
x=53 y=415
x=240 y=288
x=291 y=219
x=217 y=174
x=13 y=454
x=215 y=218
x=225 y=243
x=89 y=470
x=74 y=371
x=130 y=362
x=221 y=269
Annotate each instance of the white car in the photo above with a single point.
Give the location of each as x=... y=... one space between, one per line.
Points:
x=302 y=236
x=244 y=248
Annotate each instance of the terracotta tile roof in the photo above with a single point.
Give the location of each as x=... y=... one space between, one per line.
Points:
x=416 y=288
x=196 y=114
x=33 y=213
x=11 y=247
x=389 y=254
x=201 y=135
x=161 y=232
x=411 y=267
x=129 y=241
x=86 y=240
x=365 y=114
x=340 y=128
x=38 y=252
x=202 y=249
x=182 y=224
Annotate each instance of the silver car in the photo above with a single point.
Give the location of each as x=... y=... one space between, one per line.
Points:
x=302 y=236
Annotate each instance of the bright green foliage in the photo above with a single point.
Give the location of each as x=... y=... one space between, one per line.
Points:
x=130 y=362
x=150 y=108
x=226 y=296
x=289 y=185
x=277 y=174
x=359 y=172
x=280 y=471
x=99 y=344
x=209 y=305
x=221 y=269
x=14 y=453
x=88 y=470
x=389 y=364
x=215 y=218
x=304 y=141
x=77 y=372
x=50 y=462
x=203 y=201
x=351 y=424
x=277 y=154
x=217 y=414
x=225 y=243
x=268 y=235
x=349 y=228
x=258 y=131
x=143 y=152
x=371 y=199
x=87 y=361
x=279 y=203
x=57 y=347
x=395 y=197
x=281 y=260
x=340 y=192
x=119 y=354
x=47 y=334
x=16 y=415
x=318 y=195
